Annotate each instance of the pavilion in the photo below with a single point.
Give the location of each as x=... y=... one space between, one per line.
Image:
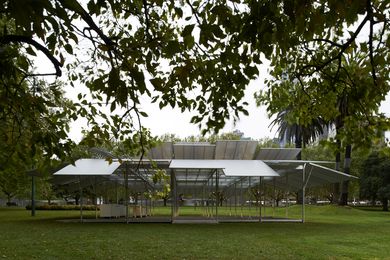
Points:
x=229 y=176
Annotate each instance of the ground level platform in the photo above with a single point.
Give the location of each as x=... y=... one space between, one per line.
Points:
x=182 y=220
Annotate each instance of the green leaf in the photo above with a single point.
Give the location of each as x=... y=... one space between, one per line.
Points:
x=157 y=83
x=172 y=48
x=113 y=106
x=30 y=51
x=143 y=114
x=187 y=30
x=68 y=48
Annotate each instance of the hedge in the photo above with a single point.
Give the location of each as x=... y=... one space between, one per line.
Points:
x=62 y=207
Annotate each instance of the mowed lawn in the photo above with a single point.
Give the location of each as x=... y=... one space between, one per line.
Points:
x=330 y=232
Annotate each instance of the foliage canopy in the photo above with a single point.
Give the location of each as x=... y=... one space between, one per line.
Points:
x=199 y=55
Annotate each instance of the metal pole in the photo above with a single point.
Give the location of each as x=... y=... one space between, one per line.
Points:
x=173 y=196
x=250 y=200
x=230 y=205
x=235 y=199
x=95 y=199
x=116 y=192
x=303 y=193
x=217 y=195
x=260 y=198
x=81 y=201
x=264 y=191
x=241 y=198
x=32 y=195
x=127 y=192
x=203 y=207
x=288 y=193
x=274 y=202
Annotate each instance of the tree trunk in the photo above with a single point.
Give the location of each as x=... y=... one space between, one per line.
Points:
x=336 y=186
x=9 y=197
x=347 y=169
x=298 y=144
x=165 y=201
x=385 y=205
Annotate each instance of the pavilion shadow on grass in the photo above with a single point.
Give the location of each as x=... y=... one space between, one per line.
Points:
x=229 y=181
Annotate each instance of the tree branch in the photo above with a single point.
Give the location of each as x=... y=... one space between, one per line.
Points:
x=341 y=51
x=194 y=11
x=145 y=4
x=332 y=43
x=6 y=39
x=370 y=40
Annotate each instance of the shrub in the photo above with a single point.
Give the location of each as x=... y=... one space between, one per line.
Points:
x=62 y=207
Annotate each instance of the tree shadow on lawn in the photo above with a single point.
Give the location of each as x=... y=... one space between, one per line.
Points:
x=369 y=208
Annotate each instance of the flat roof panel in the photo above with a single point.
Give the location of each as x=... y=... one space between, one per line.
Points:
x=89 y=167
x=161 y=151
x=278 y=153
x=229 y=167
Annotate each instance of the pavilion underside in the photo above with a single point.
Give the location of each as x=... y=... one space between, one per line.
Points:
x=230 y=181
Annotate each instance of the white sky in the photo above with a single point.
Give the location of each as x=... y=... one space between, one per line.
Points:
x=168 y=120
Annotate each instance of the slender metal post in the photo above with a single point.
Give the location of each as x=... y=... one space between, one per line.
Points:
x=116 y=193
x=203 y=208
x=81 y=201
x=94 y=188
x=230 y=205
x=216 y=195
x=127 y=192
x=274 y=200
x=32 y=195
x=260 y=197
x=235 y=199
x=173 y=196
x=250 y=200
x=265 y=204
x=287 y=199
x=241 y=200
x=303 y=192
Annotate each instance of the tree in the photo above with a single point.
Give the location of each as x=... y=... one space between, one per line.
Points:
x=163 y=179
x=33 y=114
x=375 y=179
x=295 y=132
x=166 y=50
x=345 y=96
x=13 y=183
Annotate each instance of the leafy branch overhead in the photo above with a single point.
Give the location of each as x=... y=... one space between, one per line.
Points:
x=195 y=55
x=335 y=71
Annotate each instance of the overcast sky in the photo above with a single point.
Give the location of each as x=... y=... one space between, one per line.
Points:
x=169 y=120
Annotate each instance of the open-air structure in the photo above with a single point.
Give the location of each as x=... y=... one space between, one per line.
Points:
x=229 y=181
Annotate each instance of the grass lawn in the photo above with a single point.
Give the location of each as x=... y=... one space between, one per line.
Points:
x=330 y=233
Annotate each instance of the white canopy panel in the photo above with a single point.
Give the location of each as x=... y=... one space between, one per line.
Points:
x=89 y=167
x=328 y=174
x=317 y=175
x=229 y=167
x=278 y=153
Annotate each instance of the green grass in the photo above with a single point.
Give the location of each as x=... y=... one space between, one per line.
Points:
x=330 y=233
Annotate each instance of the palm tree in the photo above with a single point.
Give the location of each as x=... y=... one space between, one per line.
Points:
x=299 y=134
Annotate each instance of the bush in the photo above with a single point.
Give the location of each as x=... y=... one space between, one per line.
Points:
x=62 y=207
x=9 y=204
